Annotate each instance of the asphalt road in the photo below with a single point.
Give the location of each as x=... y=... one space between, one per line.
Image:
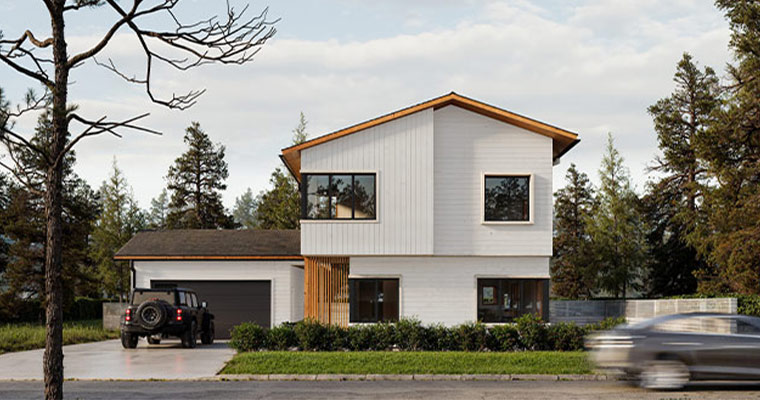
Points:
x=135 y=390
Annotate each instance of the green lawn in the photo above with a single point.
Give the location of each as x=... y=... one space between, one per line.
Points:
x=18 y=337
x=535 y=362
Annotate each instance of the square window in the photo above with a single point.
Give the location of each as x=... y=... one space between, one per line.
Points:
x=338 y=196
x=507 y=198
x=373 y=300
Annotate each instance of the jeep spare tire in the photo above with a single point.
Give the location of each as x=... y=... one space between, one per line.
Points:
x=152 y=314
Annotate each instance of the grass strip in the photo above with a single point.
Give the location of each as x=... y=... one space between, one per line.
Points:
x=385 y=362
x=25 y=336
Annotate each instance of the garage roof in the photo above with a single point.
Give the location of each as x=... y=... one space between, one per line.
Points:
x=208 y=244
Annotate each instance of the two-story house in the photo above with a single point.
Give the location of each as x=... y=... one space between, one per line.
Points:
x=441 y=211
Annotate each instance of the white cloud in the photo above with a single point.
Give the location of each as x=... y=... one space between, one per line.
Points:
x=592 y=69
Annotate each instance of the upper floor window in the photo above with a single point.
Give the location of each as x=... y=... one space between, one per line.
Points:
x=338 y=196
x=507 y=198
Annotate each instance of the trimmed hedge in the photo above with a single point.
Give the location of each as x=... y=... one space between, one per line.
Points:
x=528 y=332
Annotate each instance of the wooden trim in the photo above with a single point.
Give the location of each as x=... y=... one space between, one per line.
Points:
x=326 y=289
x=563 y=139
x=158 y=258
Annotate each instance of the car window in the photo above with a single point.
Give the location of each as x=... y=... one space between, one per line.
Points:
x=140 y=296
x=193 y=300
x=745 y=328
x=182 y=299
x=701 y=324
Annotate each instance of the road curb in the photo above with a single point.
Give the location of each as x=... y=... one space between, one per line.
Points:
x=356 y=378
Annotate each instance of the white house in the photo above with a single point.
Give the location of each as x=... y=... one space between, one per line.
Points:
x=441 y=211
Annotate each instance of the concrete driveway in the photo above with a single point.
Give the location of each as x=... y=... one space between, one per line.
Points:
x=108 y=360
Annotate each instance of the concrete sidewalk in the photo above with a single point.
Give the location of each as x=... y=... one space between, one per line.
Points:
x=108 y=360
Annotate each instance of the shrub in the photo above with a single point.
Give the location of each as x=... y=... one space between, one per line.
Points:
x=504 y=338
x=410 y=334
x=282 y=337
x=748 y=304
x=606 y=324
x=532 y=331
x=248 y=336
x=439 y=338
x=313 y=336
x=358 y=338
x=471 y=336
x=566 y=336
x=383 y=336
x=337 y=337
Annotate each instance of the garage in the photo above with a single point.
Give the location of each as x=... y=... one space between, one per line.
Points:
x=243 y=275
x=231 y=302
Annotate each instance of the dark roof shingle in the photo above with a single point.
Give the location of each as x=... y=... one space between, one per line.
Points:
x=208 y=243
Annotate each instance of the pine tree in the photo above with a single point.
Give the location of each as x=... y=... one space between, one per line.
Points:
x=196 y=181
x=299 y=133
x=673 y=203
x=119 y=220
x=617 y=229
x=245 y=210
x=24 y=228
x=572 y=272
x=159 y=211
x=279 y=207
x=730 y=238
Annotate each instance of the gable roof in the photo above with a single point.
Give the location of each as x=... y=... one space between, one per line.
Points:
x=563 y=140
x=211 y=244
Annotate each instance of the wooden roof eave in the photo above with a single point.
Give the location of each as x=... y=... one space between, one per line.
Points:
x=563 y=140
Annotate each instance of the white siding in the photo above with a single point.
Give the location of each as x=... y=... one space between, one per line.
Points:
x=467 y=145
x=287 y=286
x=444 y=289
x=401 y=153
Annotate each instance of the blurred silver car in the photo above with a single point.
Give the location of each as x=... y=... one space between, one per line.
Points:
x=667 y=352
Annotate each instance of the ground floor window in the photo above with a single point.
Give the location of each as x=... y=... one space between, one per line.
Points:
x=373 y=300
x=502 y=300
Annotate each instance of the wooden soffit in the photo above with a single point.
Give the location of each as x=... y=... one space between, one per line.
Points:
x=563 y=140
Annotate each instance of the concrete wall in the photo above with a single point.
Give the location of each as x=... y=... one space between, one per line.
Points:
x=112 y=313
x=444 y=289
x=585 y=312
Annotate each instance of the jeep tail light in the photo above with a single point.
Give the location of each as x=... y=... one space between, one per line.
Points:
x=179 y=314
x=128 y=317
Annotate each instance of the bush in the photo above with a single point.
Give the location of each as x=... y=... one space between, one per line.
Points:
x=471 y=337
x=410 y=334
x=313 y=336
x=532 y=331
x=439 y=338
x=84 y=308
x=748 y=304
x=282 y=337
x=566 y=336
x=606 y=324
x=504 y=338
x=248 y=336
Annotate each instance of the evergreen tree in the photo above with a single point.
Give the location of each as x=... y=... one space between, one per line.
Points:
x=24 y=226
x=572 y=272
x=730 y=238
x=119 y=220
x=159 y=210
x=196 y=181
x=280 y=206
x=299 y=133
x=616 y=229
x=245 y=210
x=673 y=203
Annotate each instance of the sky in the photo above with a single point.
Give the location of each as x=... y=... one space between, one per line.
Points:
x=589 y=66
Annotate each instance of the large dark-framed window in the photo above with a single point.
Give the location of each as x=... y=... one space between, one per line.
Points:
x=503 y=300
x=373 y=299
x=507 y=198
x=339 y=196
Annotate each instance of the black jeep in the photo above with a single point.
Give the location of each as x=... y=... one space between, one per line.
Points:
x=160 y=313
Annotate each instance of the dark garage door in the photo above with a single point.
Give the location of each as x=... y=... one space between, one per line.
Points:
x=231 y=302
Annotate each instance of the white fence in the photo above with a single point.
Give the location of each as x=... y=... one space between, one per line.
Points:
x=591 y=311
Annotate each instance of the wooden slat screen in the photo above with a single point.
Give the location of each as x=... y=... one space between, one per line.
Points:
x=326 y=289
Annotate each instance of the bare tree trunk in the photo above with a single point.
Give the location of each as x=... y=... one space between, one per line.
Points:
x=53 y=358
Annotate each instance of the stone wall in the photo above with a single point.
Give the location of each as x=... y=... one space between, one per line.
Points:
x=591 y=311
x=112 y=313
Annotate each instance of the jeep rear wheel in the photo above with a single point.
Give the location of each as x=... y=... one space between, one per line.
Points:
x=128 y=340
x=207 y=337
x=189 y=339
